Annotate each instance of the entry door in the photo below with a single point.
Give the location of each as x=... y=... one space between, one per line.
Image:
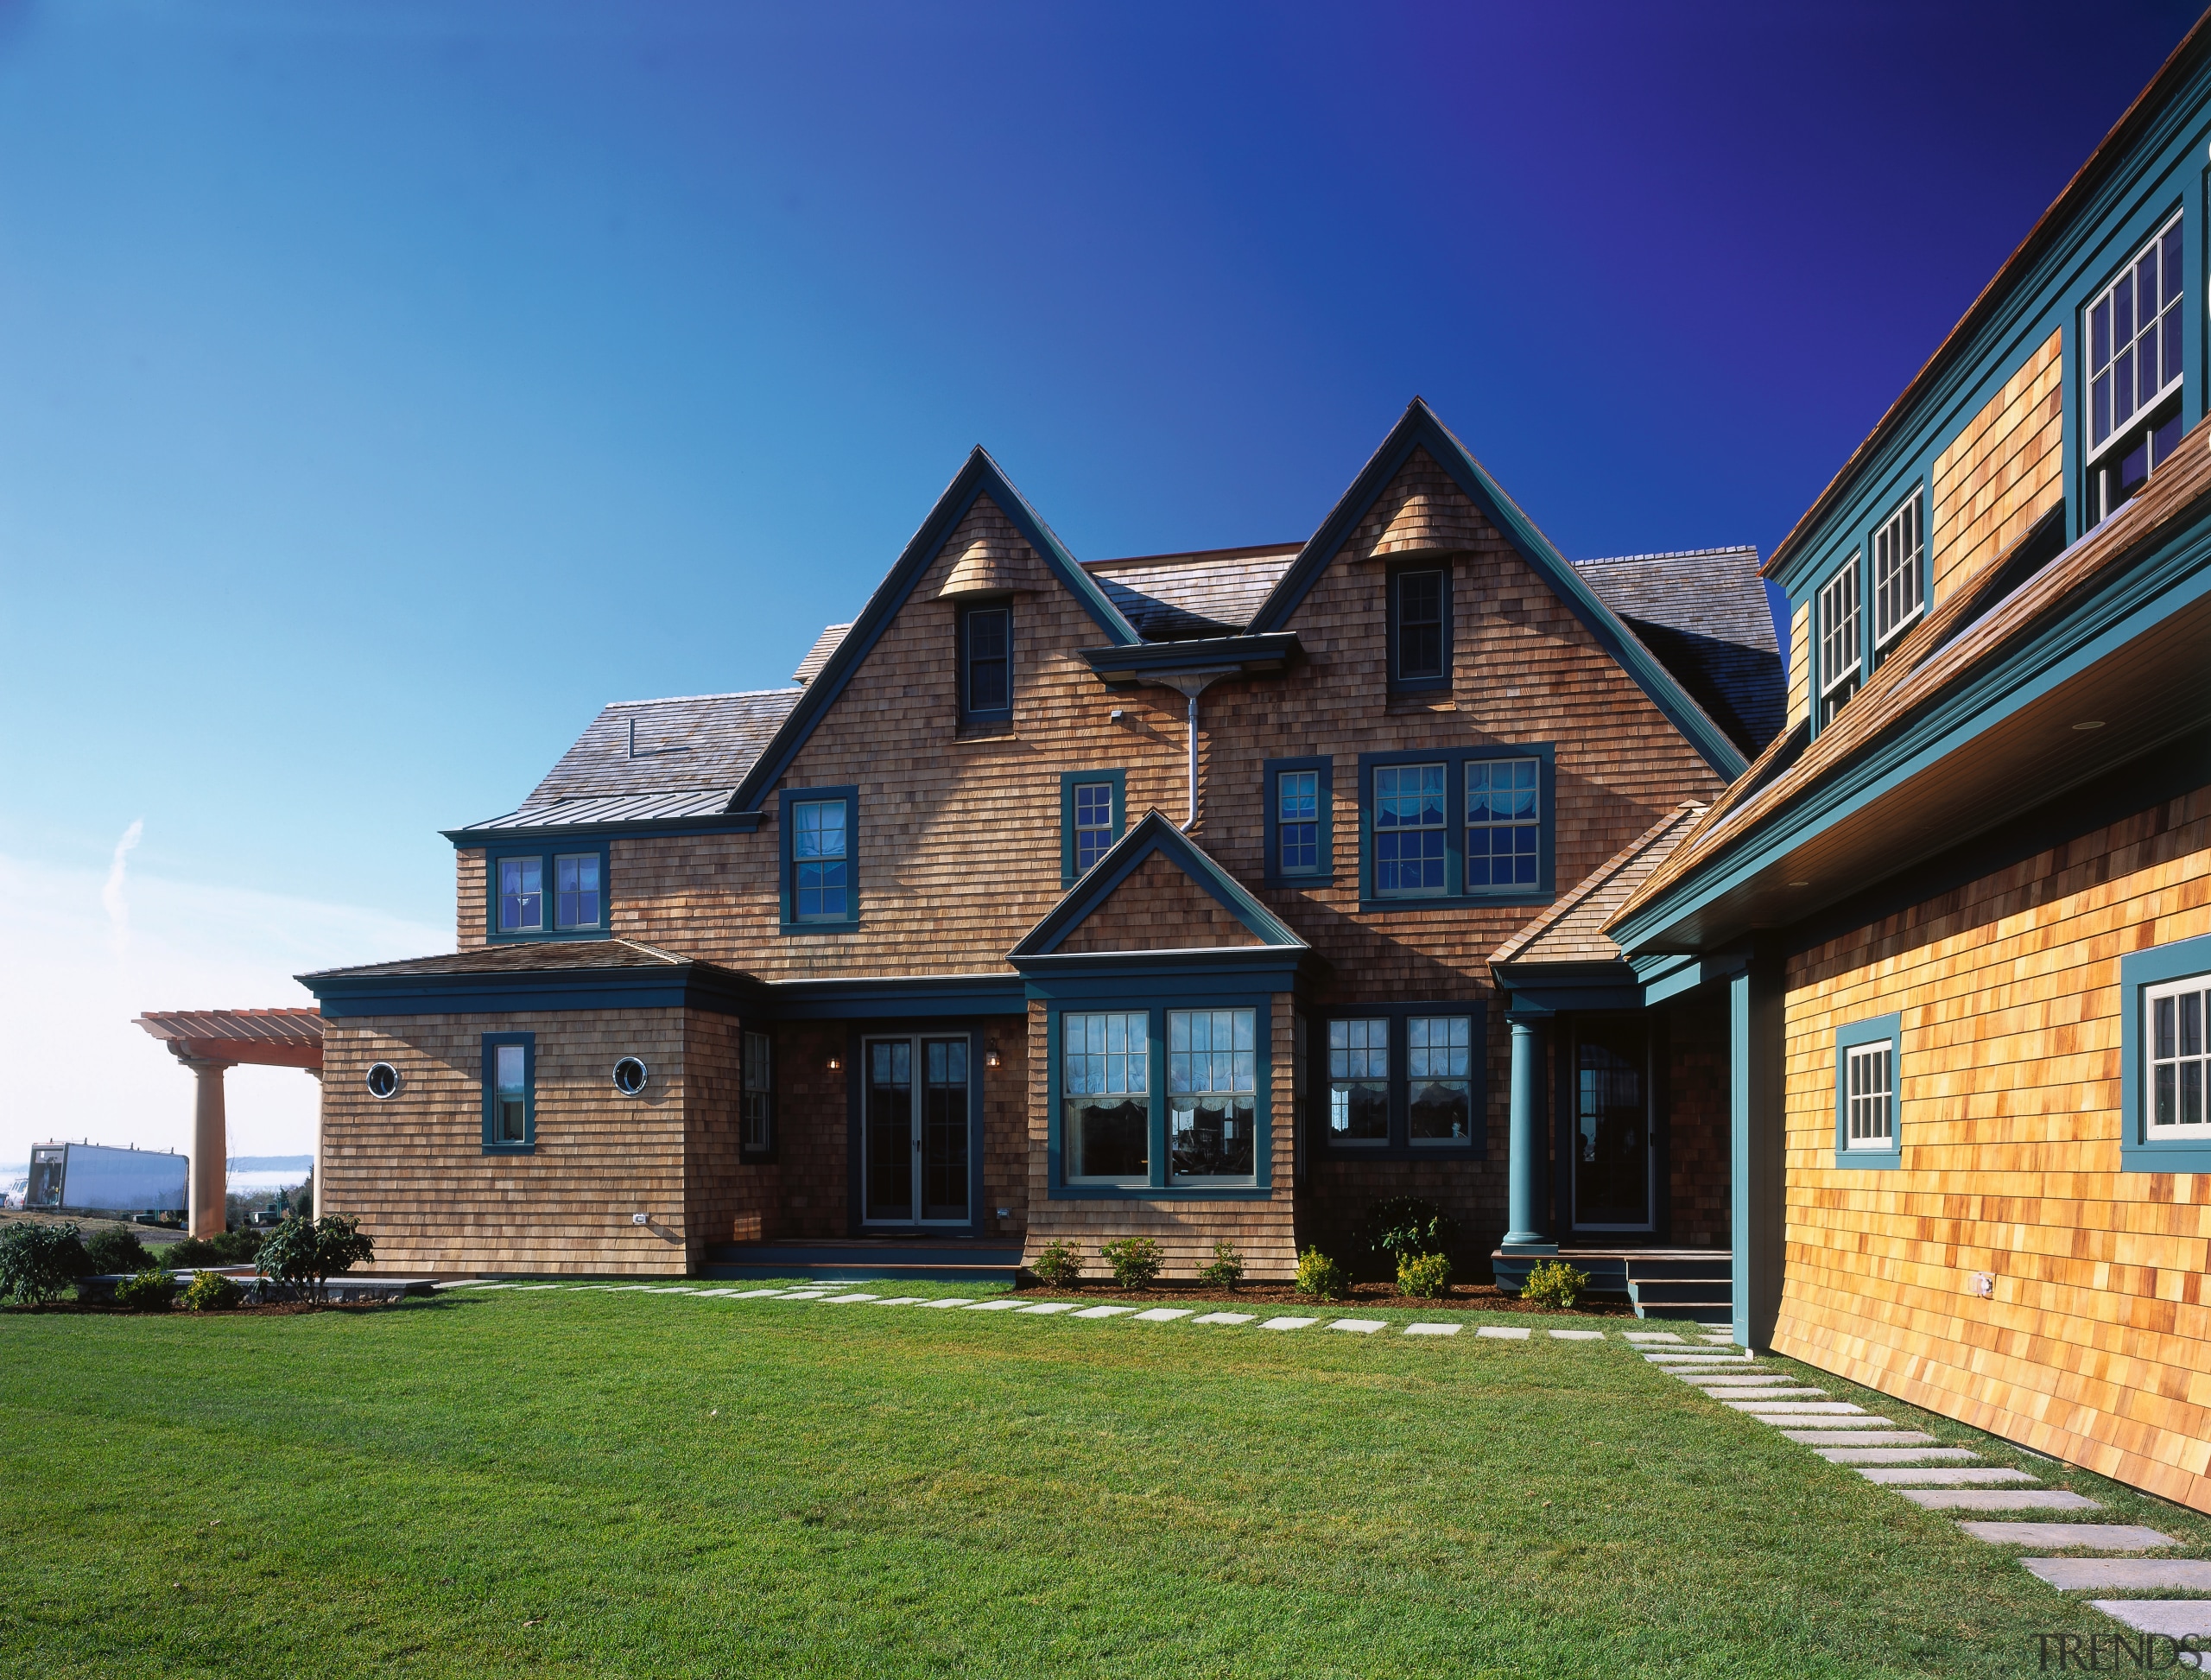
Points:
x=1613 y=1161
x=915 y=1159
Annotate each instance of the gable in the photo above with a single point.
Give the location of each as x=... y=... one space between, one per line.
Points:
x=1157 y=908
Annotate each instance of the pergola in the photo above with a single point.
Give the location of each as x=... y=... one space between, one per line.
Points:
x=210 y=1041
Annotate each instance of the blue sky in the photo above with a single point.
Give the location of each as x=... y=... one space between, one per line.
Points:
x=388 y=386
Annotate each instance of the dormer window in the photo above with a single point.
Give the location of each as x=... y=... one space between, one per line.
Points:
x=1841 y=665
x=2133 y=342
x=550 y=893
x=1899 y=575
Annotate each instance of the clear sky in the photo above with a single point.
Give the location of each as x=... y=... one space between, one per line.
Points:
x=383 y=387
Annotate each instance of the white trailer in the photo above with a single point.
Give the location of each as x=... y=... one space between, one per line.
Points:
x=92 y=1177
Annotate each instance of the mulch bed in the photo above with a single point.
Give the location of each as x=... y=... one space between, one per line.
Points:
x=1461 y=1297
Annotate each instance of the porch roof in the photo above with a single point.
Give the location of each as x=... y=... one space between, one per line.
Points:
x=1573 y=930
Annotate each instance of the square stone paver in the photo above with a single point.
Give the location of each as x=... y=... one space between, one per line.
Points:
x=1937 y=1476
x=1753 y=1379
x=1750 y=1396
x=2071 y=1537
x=2007 y=1498
x=1049 y=1307
x=1431 y=1330
x=1288 y=1323
x=1649 y=1335
x=1161 y=1314
x=2176 y=1618
x=1226 y=1318
x=1895 y=1455
x=1502 y=1333
x=954 y=1301
x=1364 y=1327
x=993 y=1306
x=755 y=1295
x=1798 y=1420
x=1104 y=1312
x=2123 y=1574
x=1797 y=1408
x=1575 y=1336
x=1891 y=1436
x=806 y=1295
x=840 y=1300
x=904 y=1300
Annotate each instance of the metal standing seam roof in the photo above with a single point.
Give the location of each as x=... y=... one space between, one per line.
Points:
x=1572 y=930
x=1703 y=614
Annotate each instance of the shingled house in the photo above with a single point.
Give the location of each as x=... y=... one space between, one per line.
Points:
x=1059 y=899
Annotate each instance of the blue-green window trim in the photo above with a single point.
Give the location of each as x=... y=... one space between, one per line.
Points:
x=786 y=870
x=1880 y=1030
x=1400 y=1146
x=545 y=852
x=1394 y=578
x=969 y=713
x=1159 y=1188
x=492 y=1144
x=1325 y=771
x=1119 y=780
x=2137 y=1152
x=1455 y=893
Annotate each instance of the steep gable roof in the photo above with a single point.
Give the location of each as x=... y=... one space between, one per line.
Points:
x=1174 y=597
x=1155 y=836
x=818 y=655
x=1573 y=930
x=1418 y=429
x=1703 y=613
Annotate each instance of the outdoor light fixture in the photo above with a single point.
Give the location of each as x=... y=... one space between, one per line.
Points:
x=641 y=1219
x=991 y=1058
x=835 y=1062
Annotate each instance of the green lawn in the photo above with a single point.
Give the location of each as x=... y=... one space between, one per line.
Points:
x=625 y=1484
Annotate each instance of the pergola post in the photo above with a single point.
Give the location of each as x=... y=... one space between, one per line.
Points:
x=211 y=1150
x=210 y=1042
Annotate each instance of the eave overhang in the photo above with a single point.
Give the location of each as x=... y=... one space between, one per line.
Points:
x=1219 y=655
x=674 y=985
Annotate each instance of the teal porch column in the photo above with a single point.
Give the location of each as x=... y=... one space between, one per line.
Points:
x=1528 y=1204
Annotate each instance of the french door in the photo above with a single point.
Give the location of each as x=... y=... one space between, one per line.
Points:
x=916 y=1116
x=1614 y=1164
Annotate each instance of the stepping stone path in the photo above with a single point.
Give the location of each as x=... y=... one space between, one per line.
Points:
x=1937 y=1478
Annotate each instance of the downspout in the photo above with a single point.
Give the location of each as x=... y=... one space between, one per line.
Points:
x=1192 y=684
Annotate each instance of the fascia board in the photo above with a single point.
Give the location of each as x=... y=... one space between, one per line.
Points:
x=1278 y=648
x=515 y=993
x=1153 y=833
x=735 y=822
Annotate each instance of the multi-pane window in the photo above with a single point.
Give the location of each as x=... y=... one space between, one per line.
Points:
x=1503 y=824
x=1359 y=1081
x=1408 y=823
x=521 y=895
x=987 y=673
x=1212 y=1092
x=575 y=890
x=820 y=860
x=1870 y=1095
x=1420 y=639
x=759 y=1085
x=1297 y=821
x=509 y=1094
x=2176 y=1073
x=1105 y=1086
x=1094 y=823
x=1839 y=656
x=1899 y=586
x=1439 y=1050
x=2134 y=350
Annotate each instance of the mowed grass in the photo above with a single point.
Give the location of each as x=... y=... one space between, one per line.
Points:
x=639 y=1485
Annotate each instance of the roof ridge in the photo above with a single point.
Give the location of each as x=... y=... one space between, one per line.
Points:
x=738 y=694
x=1669 y=554
x=1245 y=552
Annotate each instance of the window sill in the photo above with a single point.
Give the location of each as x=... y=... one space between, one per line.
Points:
x=1464 y=901
x=1878 y=1160
x=550 y=936
x=2191 y=1156
x=1325 y=877
x=795 y=928
x=510 y=1149
x=1160 y=1192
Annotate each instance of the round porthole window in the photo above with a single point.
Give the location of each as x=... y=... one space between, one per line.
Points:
x=383 y=1080
x=630 y=1075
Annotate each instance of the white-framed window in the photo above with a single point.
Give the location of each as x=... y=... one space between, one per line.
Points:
x=1899 y=573
x=1104 y=1096
x=819 y=857
x=1359 y=1081
x=1212 y=1093
x=1094 y=823
x=1409 y=822
x=759 y=1087
x=2132 y=343
x=1439 y=1103
x=575 y=890
x=1840 y=660
x=1503 y=823
x=2174 y=1044
x=1870 y=1074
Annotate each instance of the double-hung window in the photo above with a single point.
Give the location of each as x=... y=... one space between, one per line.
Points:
x=1092 y=807
x=1104 y=1093
x=1868 y=1080
x=1899 y=575
x=1503 y=824
x=1300 y=809
x=2134 y=346
x=1841 y=665
x=1170 y=1100
x=1408 y=824
x=2164 y=1016
x=820 y=889
x=1212 y=1093
x=542 y=895
x=1404 y=1078
x=1467 y=824
x=509 y=1092
x=986 y=663
x=758 y=1136
x=2176 y=1054
x=1420 y=628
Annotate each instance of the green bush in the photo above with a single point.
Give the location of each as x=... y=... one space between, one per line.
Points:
x=1555 y=1284
x=1319 y=1277
x=210 y=1291
x=308 y=1253
x=147 y=1291
x=117 y=1250
x=1057 y=1265
x=1402 y=1225
x=1424 y=1275
x=1226 y=1270
x=37 y=1262
x=232 y=1248
x=1136 y=1261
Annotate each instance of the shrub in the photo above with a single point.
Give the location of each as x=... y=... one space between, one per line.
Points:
x=1402 y=1225
x=210 y=1291
x=1424 y=1275
x=117 y=1250
x=308 y=1253
x=37 y=1262
x=1057 y=1265
x=1136 y=1261
x=147 y=1291
x=232 y=1248
x=1226 y=1270
x=1319 y=1277
x=1555 y=1284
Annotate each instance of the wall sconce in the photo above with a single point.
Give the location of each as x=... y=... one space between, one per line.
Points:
x=836 y=1062
x=990 y=1057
